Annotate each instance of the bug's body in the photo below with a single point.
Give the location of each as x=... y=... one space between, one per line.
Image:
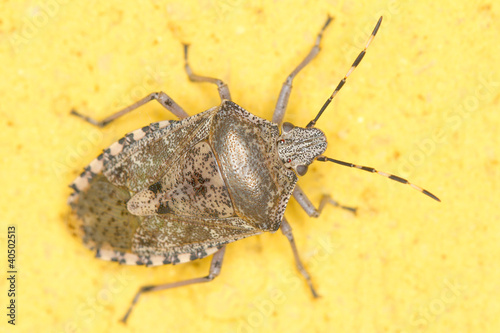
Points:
x=176 y=191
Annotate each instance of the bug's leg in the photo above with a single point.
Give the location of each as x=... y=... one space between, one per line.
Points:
x=309 y=208
x=221 y=86
x=280 y=109
x=214 y=271
x=286 y=229
x=162 y=98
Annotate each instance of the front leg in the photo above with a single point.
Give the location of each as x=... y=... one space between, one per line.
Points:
x=286 y=89
x=309 y=208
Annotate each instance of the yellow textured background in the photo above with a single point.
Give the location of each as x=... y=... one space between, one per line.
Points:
x=423 y=104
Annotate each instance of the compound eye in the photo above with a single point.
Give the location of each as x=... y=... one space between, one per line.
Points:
x=286 y=127
x=301 y=169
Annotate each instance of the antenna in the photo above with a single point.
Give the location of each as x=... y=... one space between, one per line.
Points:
x=372 y=170
x=342 y=82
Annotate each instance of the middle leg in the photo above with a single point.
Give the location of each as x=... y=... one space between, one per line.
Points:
x=221 y=86
x=309 y=208
x=286 y=229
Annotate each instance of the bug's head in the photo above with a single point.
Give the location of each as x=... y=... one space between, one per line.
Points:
x=298 y=147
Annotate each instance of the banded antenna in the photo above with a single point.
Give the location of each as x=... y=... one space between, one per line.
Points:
x=342 y=82
x=351 y=165
x=381 y=173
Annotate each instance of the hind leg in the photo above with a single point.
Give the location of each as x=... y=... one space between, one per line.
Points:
x=214 y=271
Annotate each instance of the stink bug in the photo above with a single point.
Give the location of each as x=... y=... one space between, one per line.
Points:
x=180 y=190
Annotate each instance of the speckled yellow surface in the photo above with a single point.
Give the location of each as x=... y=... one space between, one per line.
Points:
x=423 y=104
